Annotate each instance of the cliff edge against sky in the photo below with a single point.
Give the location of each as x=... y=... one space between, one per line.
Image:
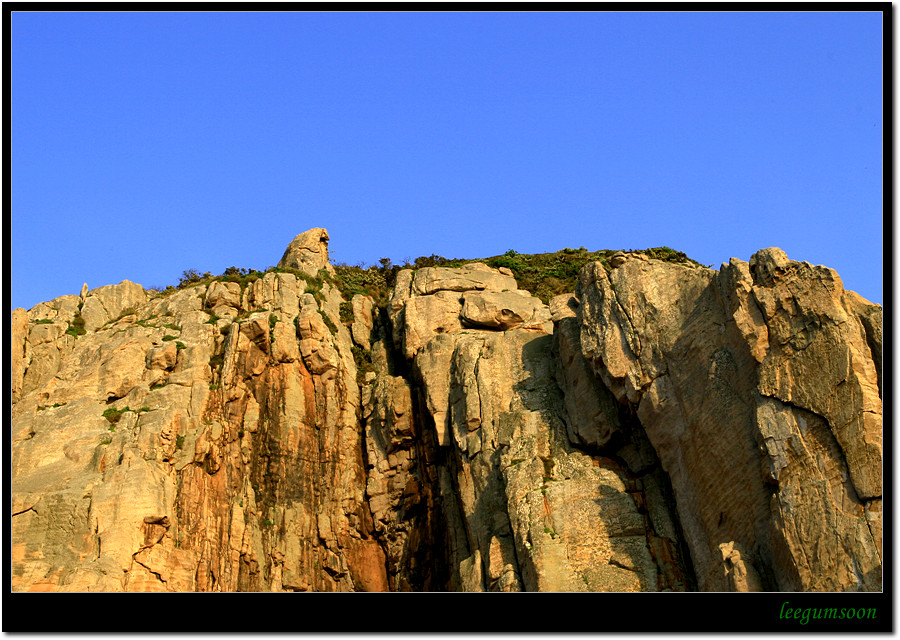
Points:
x=661 y=426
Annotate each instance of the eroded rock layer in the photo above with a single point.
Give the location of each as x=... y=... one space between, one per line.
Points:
x=663 y=427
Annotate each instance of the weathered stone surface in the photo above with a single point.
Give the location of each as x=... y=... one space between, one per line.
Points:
x=223 y=294
x=819 y=359
x=308 y=252
x=563 y=306
x=226 y=452
x=276 y=292
x=361 y=328
x=503 y=310
x=18 y=333
x=435 y=358
x=871 y=316
x=401 y=293
x=163 y=357
x=284 y=343
x=538 y=520
x=427 y=316
x=664 y=427
x=469 y=277
x=591 y=408
x=316 y=345
x=113 y=299
x=61 y=309
x=399 y=484
x=759 y=394
x=94 y=314
x=741 y=577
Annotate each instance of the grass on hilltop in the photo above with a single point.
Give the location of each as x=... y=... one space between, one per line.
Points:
x=543 y=274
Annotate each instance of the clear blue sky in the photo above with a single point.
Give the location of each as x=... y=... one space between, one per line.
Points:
x=144 y=144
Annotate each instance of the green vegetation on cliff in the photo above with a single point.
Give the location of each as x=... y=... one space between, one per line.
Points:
x=543 y=274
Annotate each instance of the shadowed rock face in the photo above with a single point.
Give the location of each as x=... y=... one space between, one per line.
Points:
x=661 y=428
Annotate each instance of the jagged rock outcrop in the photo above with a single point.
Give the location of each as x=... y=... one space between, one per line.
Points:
x=308 y=252
x=662 y=427
x=207 y=441
x=756 y=386
x=525 y=509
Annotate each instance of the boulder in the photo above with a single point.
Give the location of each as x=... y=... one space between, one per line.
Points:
x=472 y=276
x=223 y=293
x=427 y=316
x=503 y=310
x=308 y=252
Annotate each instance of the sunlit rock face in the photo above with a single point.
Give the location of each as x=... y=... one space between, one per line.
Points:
x=757 y=386
x=661 y=427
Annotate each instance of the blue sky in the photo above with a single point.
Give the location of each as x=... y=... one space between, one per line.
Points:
x=144 y=144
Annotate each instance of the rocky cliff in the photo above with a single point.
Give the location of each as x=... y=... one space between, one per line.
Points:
x=662 y=426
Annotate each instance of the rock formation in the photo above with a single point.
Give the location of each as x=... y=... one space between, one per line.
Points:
x=308 y=252
x=756 y=386
x=661 y=427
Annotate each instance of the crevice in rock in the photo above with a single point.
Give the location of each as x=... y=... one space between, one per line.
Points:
x=617 y=563
x=874 y=538
x=832 y=443
x=434 y=525
x=28 y=436
x=631 y=455
x=396 y=361
x=420 y=562
x=632 y=333
x=874 y=342
x=458 y=545
x=368 y=524
x=155 y=573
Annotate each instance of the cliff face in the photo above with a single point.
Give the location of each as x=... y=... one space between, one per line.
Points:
x=662 y=427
